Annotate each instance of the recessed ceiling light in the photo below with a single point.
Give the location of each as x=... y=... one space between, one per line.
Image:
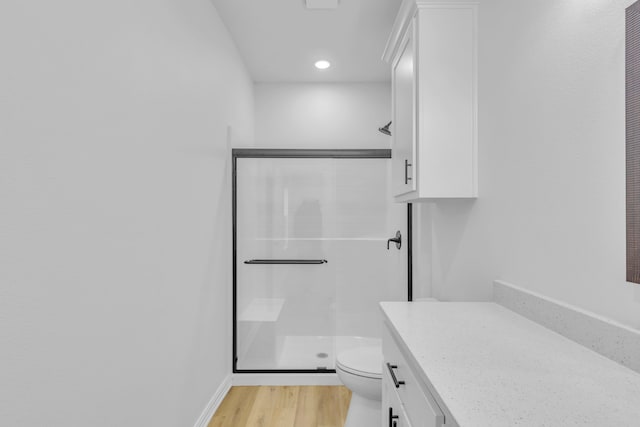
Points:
x=322 y=64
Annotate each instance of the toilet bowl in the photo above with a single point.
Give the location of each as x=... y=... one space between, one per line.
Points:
x=360 y=370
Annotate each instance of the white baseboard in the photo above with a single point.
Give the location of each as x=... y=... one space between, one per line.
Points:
x=214 y=403
x=286 y=379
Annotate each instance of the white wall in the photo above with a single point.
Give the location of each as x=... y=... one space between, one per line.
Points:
x=322 y=115
x=551 y=212
x=114 y=215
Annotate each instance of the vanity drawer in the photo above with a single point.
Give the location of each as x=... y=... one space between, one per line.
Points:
x=420 y=405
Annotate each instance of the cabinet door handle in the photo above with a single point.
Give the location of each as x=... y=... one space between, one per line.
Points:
x=392 y=418
x=407 y=178
x=391 y=368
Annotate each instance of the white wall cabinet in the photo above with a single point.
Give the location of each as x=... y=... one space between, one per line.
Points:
x=433 y=55
x=403 y=396
x=403 y=154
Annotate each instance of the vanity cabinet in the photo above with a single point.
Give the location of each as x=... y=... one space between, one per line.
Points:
x=481 y=364
x=432 y=51
x=405 y=401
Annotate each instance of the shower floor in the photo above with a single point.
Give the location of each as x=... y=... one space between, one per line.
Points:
x=305 y=352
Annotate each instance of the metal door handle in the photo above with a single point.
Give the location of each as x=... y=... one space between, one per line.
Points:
x=407 y=178
x=397 y=240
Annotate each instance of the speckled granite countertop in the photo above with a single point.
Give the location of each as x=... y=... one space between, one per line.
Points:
x=493 y=367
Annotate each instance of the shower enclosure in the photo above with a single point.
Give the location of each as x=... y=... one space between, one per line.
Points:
x=310 y=237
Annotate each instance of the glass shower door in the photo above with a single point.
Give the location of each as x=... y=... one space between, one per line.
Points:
x=285 y=276
x=311 y=258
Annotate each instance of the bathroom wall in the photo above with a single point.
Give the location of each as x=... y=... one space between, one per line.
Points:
x=114 y=216
x=322 y=115
x=551 y=212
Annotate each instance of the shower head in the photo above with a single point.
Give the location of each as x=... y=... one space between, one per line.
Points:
x=385 y=129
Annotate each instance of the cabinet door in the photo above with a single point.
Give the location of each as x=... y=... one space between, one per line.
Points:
x=393 y=413
x=403 y=129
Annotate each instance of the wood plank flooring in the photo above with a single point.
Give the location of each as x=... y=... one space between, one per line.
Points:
x=283 y=406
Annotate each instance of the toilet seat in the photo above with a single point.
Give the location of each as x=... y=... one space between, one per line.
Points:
x=361 y=361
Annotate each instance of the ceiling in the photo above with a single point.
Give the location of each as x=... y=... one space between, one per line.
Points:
x=280 y=40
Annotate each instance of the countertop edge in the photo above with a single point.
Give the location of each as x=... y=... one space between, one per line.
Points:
x=425 y=384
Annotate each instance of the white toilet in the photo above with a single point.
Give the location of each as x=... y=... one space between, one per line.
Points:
x=360 y=370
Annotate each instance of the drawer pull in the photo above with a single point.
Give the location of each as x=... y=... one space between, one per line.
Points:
x=391 y=368
x=392 y=418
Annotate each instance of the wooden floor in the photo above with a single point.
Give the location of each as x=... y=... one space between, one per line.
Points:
x=283 y=406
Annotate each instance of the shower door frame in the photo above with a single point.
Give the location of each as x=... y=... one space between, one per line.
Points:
x=277 y=153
